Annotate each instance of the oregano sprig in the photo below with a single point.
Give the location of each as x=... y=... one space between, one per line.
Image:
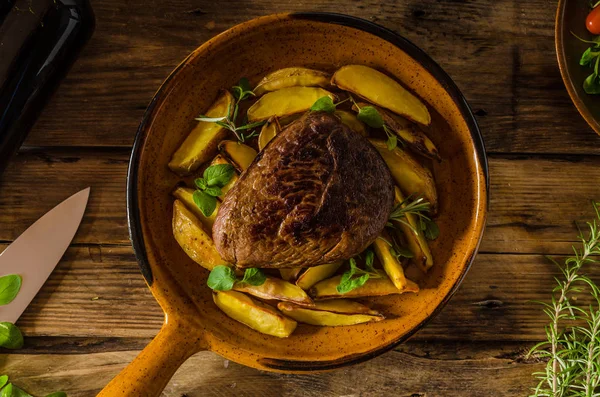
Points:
x=572 y=347
x=241 y=92
x=209 y=187
x=223 y=278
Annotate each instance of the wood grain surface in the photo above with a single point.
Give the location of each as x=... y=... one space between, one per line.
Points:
x=95 y=313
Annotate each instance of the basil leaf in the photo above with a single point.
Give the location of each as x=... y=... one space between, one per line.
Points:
x=206 y=203
x=218 y=175
x=431 y=230
x=591 y=84
x=7 y=391
x=10 y=336
x=221 y=278
x=200 y=183
x=323 y=104
x=588 y=57
x=352 y=283
x=18 y=392
x=370 y=116
x=392 y=142
x=3 y=381
x=57 y=394
x=9 y=288
x=254 y=277
x=213 y=191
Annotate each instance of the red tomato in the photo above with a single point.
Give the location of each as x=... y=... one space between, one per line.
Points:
x=592 y=22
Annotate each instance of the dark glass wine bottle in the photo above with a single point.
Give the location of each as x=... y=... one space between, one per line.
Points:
x=39 y=41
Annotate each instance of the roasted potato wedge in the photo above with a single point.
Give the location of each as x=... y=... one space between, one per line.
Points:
x=417 y=243
x=285 y=102
x=345 y=306
x=219 y=159
x=201 y=144
x=290 y=274
x=292 y=77
x=314 y=274
x=192 y=238
x=185 y=195
x=352 y=122
x=323 y=317
x=408 y=132
x=381 y=90
x=256 y=315
x=277 y=289
x=390 y=263
x=268 y=132
x=409 y=174
x=326 y=289
x=238 y=154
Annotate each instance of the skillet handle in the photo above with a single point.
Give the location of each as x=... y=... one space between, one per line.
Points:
x=148 y=374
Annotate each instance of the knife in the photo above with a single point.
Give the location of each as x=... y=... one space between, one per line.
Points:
x=36 y=252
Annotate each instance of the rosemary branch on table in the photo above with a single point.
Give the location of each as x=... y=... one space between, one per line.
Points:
x=572 y=347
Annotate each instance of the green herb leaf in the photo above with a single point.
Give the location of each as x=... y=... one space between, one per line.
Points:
x=392 y=142
x=200 y=183
x=591 y=85
x=254 y=277
x=221 y=278
x=348 y=284
x=431 y=229
x=370 y=116
x=242 y=90
x=18 y=392
x=9 y=288
x=205 y=202
x=3 y=381
x=251 y=125
x=369 y=258
x=588 y=57
x=323 y=104
x=57 y=394
x=218 y=174
x=10 y=336
x=213 y=191
x=402 y=252
x=7 y=391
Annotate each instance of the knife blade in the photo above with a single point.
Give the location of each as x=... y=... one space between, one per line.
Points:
x=36 y=252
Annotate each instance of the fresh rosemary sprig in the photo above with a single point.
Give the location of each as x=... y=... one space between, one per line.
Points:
x=241 y=92
x=418 y=208
x=572 y=347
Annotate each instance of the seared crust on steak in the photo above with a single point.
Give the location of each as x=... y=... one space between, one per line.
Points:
x=318 y=193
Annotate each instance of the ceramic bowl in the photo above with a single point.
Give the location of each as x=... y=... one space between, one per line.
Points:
x=570 y=21
x=252 y=49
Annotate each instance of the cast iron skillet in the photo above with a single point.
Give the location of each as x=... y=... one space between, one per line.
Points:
x=192 y=321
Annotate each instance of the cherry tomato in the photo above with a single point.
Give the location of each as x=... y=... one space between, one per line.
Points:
x=592 y=22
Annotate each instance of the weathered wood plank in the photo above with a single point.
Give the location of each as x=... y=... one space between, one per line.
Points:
x=534 y=200
x=98 y=292
x=501 y=54
x=423 y=370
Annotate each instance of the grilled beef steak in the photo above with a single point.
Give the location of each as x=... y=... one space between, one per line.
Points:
x=318 y=193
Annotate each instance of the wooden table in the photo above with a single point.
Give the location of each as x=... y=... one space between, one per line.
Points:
x=95 y=313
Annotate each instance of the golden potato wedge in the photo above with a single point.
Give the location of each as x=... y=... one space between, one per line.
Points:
x=256 y=315
x=186 y=196
x=408 y=132
x=239 y=155
x=192 y=238
x=277 y=289
x=344 y=306
x=352 y=122
x=390 y=263
x=314 y=274
x=219 y=159
x=417 y=243
x=323 y=317
x=326 y=289
x=201 y=144
x=285 y=102
x=381 y=90
x=292 y=77
x=409 y=174
x=290 y=274
x=268 y=132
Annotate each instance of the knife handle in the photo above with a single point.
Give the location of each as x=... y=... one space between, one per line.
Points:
x=40 y=41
